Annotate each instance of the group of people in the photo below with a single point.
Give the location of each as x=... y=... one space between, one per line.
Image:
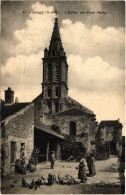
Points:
x=82 y=173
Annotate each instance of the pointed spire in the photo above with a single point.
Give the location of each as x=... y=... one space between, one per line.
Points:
x=55 y=44
x=56 y=33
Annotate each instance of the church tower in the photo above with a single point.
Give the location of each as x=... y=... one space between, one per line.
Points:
x=55 y=73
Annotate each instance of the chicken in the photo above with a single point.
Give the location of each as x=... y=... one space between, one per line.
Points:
x=32 y=184
x=60 y=179
x=43 y=179
x=51 y=179
x=35 y=187
x=25 y=183
x=38 y=182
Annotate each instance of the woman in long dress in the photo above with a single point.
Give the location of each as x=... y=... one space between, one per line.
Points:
x=88 y=162
x=82 y=170
x=92 y=166
x=52 y=160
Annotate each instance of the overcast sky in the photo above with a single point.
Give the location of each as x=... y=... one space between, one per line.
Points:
x=93 y=42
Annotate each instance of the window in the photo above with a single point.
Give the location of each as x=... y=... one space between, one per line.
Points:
x=56 y=107
x=53 y=52
x=57 y=72
x=61 y=107
x=49 y=72
x=72 y=128
x=13 y=151
x=57 y=91
x=22 y=151
x=49 y=92
x=49 y=107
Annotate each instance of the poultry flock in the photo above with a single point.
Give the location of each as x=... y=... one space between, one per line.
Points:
x=67 y=179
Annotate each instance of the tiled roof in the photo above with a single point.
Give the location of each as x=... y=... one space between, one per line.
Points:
x=10 y=109
x=76 y=104
x=71 y=112
x=110 y=123
x=41 y=126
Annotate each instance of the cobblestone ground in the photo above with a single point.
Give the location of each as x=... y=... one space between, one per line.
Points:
x=107 y=180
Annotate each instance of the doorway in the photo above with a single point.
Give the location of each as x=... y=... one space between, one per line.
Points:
x=72 y=128
x=13 y=152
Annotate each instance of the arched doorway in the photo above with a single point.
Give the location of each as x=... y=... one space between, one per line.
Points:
x=72 y=129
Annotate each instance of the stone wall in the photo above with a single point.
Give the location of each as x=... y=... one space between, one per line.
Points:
x=82 y=123
x=38 y=107
x=111 y=134
x=18 y=128
x=82 y=128
x=106 y=134
x=93 y=130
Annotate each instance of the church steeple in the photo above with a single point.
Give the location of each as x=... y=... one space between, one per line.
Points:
x=55 y=43
x=55 y=72
x=56 y=33
x=55 y=47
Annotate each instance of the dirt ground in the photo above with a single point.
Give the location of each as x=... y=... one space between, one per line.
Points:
x=106 y=181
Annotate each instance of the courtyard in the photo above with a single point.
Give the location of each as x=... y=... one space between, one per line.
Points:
x=108 y=180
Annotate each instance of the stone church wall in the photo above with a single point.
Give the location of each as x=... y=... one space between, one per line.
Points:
x=82 y=123
x=82 y=128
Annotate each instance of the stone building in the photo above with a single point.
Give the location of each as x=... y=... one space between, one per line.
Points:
x=54 y=105
x=21 y=132
x=17 y=131
x=111 y=132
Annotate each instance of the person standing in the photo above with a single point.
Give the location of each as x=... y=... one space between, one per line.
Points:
x=88 y=162
x=52 y=159
x=92 y=171
x=82 y=170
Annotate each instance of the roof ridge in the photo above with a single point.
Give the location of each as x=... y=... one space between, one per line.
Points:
x=37 y=97
x=108 y=120
x=83 y=107
x=12 y=110
x=63 y=111
x=67 y=110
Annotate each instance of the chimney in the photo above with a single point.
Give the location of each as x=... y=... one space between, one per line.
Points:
x=9 y=96
x=16 y=100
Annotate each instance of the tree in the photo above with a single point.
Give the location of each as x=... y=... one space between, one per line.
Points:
x=72 y=148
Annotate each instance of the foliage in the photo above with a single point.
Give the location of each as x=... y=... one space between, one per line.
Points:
x=72 y=148
x=117 y=134
x=101 y=145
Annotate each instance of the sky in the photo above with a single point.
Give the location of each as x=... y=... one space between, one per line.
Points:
x=92 y=34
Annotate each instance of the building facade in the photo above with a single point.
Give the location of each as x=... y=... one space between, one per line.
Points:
x=17 y=131
x=111 y=132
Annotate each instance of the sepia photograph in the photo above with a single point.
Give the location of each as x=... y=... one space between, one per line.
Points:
x=62 y=97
